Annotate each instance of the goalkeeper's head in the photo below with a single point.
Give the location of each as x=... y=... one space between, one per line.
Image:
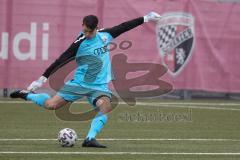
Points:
x=90 y=24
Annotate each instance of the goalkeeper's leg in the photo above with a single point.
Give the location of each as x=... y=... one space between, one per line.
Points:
x=104 y=106
x=42 y=99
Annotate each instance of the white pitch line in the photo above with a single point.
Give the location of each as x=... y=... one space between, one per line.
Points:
x=127 y=153
x=130 y=139
x=162 y=104
x=14 y=102
x=192 y=107
x=147 y=103
x=191 y=103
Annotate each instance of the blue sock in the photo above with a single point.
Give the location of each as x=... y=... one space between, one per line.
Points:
x=97 y=124
x=38 y=99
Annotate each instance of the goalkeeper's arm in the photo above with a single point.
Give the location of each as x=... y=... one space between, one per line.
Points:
x=126 y=26
x=123 y=27
x=63 y=59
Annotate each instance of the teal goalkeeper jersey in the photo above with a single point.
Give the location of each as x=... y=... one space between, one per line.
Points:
x=93 y=60
x=92 y=55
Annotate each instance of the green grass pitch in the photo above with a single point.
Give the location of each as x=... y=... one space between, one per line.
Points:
x=153 y=129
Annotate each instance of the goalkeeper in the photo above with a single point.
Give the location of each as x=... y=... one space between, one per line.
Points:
x=92 y=75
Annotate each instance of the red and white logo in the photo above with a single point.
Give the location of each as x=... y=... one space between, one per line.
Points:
x=175 y=40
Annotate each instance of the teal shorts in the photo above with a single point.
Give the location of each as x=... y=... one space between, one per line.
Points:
x=72 y=91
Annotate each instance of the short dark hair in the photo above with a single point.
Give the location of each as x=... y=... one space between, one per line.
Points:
x=91 y=21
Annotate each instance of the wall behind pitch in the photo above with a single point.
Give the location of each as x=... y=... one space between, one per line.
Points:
x=34 y=33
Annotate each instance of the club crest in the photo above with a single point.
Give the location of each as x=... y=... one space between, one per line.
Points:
x=175 y=40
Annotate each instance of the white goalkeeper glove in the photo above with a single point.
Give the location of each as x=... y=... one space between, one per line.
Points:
x=37 y=84
x=152 y=16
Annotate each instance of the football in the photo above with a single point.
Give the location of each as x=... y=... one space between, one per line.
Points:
x=67 y=137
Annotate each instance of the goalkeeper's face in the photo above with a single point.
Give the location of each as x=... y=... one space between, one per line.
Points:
x=89 y=33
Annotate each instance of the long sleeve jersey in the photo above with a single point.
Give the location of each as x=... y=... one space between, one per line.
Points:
x=92 y=55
